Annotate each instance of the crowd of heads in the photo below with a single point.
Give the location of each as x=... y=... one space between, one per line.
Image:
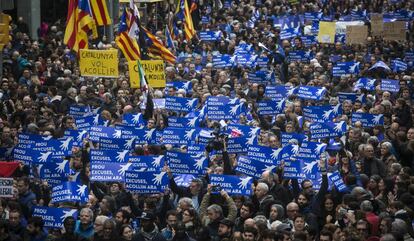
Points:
x=41 y=80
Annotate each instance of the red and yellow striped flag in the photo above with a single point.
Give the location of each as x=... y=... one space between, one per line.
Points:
x=100 y=12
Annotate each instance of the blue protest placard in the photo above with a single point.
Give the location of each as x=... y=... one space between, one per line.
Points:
x=78 y=110
x=28 y=155
x=116 y=143
x=209 y=35
x=184 y=163
x=310 y=92
x=352 y=97
x=78 y=136
x=321 y=113
x=292 y=170
x=298 y=56
x=233 y=185
x=262 y=62
x=345 y=68
x=134 y=119
x=397 y=65
x=286 y=138
x=54 y=217
x=264 y=154
x=237 y=144
x=141 y=135
x=185 y=85
x=367 y=120
x=146 y=182
x=337 y=181
x=278 y=92
x=147 y=163
x=310 y=150
x=327 y=129
x=183 y=122
x=54 y=172
x=224 y=61
x=159 y=103
x=260 y=77
x=271 y=107
x=89 y=121
x=196 y=149
x=70 y=192
x=236 y=130
x=108 y=155
x=288 y=151
x=313 y=16
x=309 y=40
x=365 y=83
x=109 y=171
x=179 y=136
x=96 y=132
x=251 y=167
x=45 y=144
x=224 y=108
x=390 y=85
x=180 y=104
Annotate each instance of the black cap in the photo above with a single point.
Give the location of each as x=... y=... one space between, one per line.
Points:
x=227 y=222
x=147 y=216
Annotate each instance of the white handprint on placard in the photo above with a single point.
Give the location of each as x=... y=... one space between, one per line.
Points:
x=96 y=119
x=268 y=168
x=377 y=118
x=148 y=134
x=275 y=153
x=253 y=131
x=156 y=161
x=309 y=166
x=46 y=138
x=136 y=118
x=80 y=135
x=336 y=108
x=338 y=126
x=44 y=156
x=124 y=168
x=192 y=122
x=117 y=134
x=327 y=114
x=279 y=104
x=243 y=182
x=199 y=163
x=81 y=190
x=190 y=103
x=65 y=144
x=189 y=134
x=250 y=140
x=61 y=166
x=121 y=155
x=66 y=214
x=319 y=147
x=158 y=178
x=320 y=91
x=128 y=144
x=233 y=109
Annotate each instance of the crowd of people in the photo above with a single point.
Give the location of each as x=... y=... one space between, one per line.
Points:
x=41 y=81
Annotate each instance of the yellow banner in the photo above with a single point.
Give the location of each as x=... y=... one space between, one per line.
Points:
x=326 y=32
x=154 y=72
x=98 y=63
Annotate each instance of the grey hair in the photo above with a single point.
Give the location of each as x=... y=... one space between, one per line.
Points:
x=399 y=226
x=263 y=186
x=185 y=200
x=387 y=144
x=101 y=219
x=215 y=208
x=366 y=206
x=71 y=90
x=88 y=210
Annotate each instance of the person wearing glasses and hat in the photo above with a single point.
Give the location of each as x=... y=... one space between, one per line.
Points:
x=149 y=230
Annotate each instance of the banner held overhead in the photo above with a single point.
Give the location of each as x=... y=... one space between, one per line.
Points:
x=99 y=63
